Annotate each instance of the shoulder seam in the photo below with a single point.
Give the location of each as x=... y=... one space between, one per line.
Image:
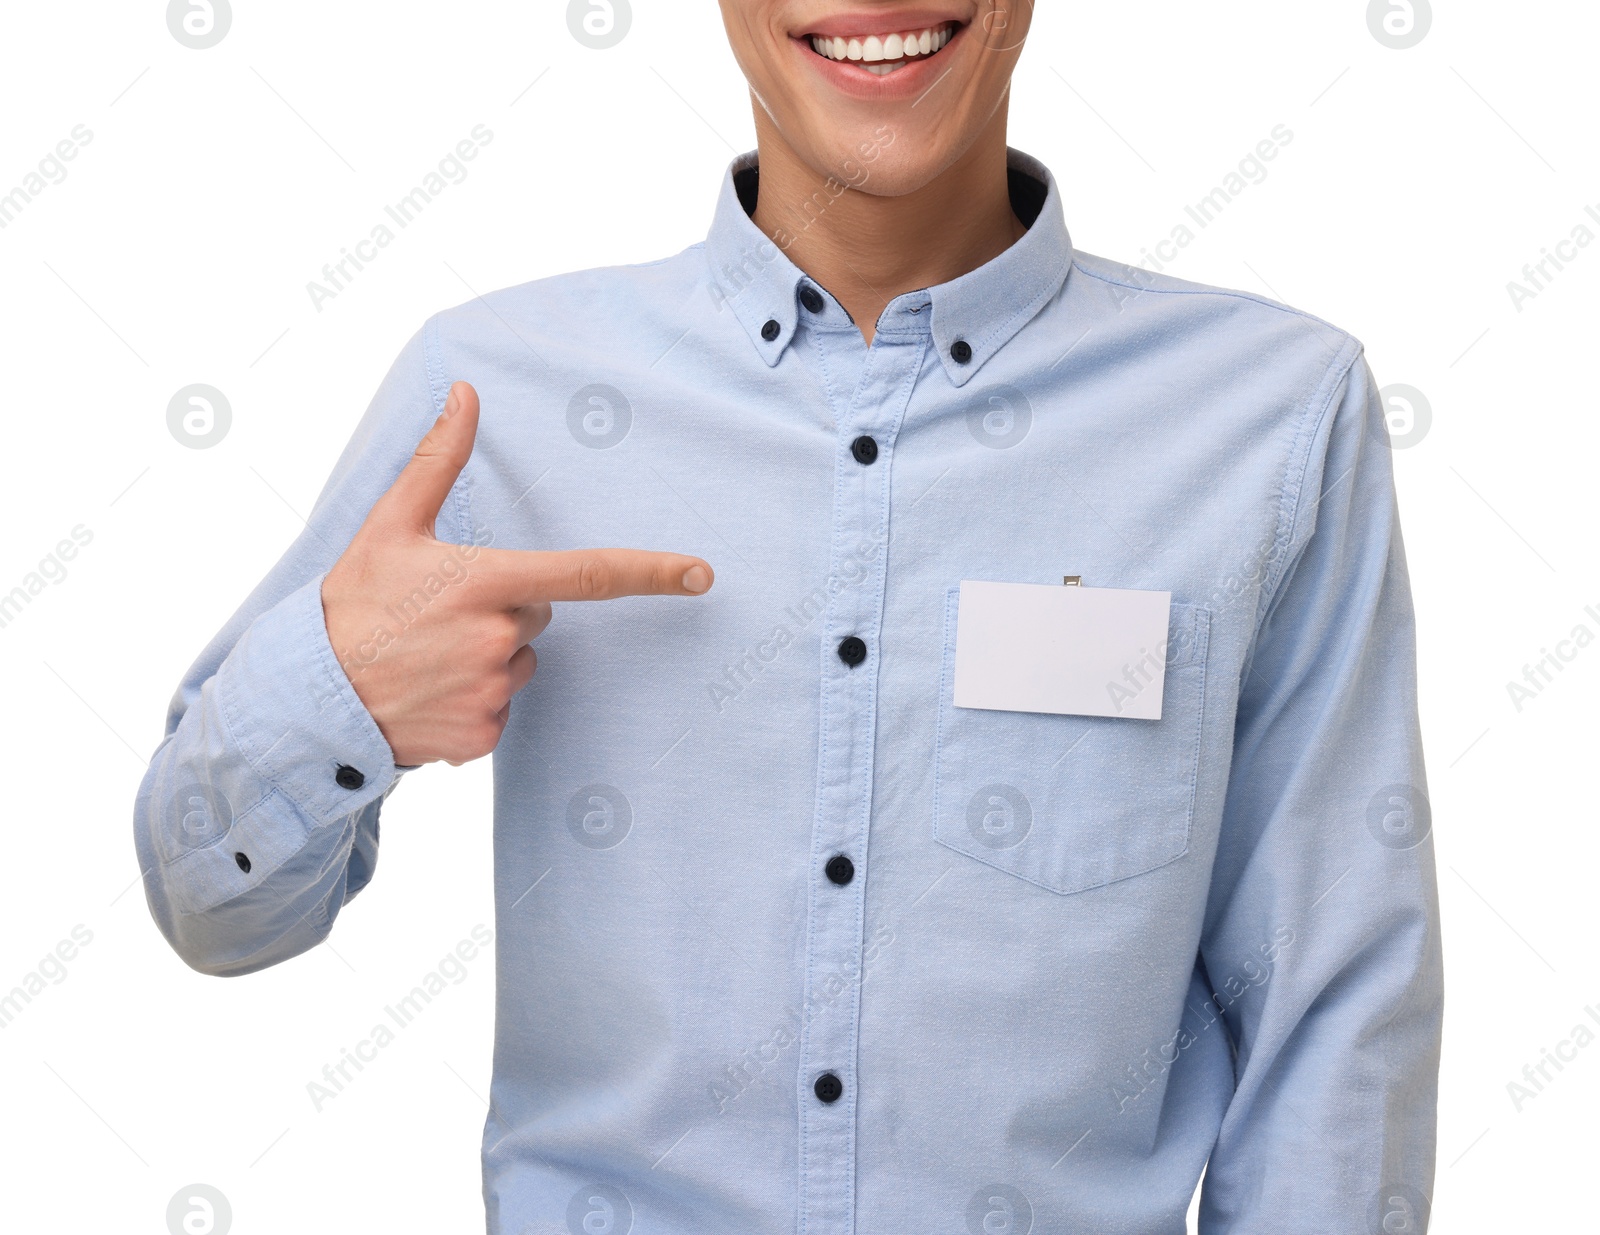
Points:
x=1294 y=474
x=1232 y=293
x=458 y=503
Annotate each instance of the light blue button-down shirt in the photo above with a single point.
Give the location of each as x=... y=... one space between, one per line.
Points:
x=1079 y=957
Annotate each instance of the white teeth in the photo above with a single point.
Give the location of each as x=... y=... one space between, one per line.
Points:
x=883 y=53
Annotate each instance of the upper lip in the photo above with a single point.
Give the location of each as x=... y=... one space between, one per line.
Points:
x=859 y=25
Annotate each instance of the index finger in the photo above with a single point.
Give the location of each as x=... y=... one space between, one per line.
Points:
x=516 y=577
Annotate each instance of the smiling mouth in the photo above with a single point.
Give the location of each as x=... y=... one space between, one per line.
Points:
x=884 y=54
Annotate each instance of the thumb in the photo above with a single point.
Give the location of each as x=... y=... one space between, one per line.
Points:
x=413 y=501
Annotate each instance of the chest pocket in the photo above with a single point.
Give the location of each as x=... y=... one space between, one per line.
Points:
x=1073 y=802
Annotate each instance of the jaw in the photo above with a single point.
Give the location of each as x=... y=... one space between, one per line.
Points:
x=891 y=120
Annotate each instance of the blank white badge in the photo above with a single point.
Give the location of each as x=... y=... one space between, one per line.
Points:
x=1078 y=651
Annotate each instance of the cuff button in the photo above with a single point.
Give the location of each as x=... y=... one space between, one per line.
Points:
x=243 y=862
x=348 y=777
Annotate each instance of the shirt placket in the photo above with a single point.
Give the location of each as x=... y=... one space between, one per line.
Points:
x=848 y=699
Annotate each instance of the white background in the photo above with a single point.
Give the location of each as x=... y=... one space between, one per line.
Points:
x=218 y=182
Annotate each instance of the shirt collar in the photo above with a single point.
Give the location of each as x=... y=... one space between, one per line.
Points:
x=983 y=309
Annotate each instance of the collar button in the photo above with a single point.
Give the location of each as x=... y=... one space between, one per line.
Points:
x=811 y=299
x=770 y=331
x=961 y=351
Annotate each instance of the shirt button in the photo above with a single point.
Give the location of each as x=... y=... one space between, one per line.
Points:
x=852 y=651
x=961 y=351
x=348 y=777
x=811 y=299
x=829 y=1087
x=242 y=862
x=769 y=332
x=864 y=449
x=840 y=869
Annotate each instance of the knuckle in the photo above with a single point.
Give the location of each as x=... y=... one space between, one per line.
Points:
x=593 y=578
x=486 y=735
x=434 y=447
x=507 y=634
x=486 y=646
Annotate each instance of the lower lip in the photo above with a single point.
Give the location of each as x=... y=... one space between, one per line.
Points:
x=916 y=78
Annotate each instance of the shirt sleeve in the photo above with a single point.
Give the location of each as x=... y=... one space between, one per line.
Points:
x=258 y=817
x=1321 y=940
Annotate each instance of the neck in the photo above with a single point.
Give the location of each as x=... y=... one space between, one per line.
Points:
x=866 y=249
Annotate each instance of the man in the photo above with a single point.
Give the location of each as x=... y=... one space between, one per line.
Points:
x=789 y=937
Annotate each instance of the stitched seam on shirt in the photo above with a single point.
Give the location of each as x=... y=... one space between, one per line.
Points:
x=233 y=883
x=951 y=595
x=466 y=532
x=1214 y=291
x=433 y=363
x=1322 y=400
x=343 y=690
x=733 y=301
x=226 y=712
x=827 y=376
x=942 y=721
x=254 y=759
x=1202 y=657
x=457 y=501
x=884 y=533
x=1028 y=310
x=811 y=917
x=1290 y=491
x=188 y=857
